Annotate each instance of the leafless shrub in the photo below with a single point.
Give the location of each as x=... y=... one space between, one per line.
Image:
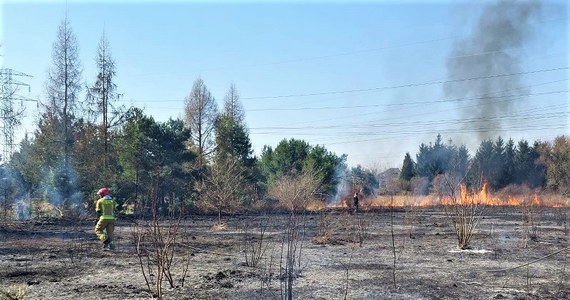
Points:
x=352 y=228
x=254 y=245
x=76 y=246
x=155 y=243
x=266 y=275
x=346 y=228
x=566 y=220
x=291 y=253
x=562 y=218
x=531 y=213
x=463 y=209
x=563 y=276
x=293 y=192
x=355 y=228
x=347 y=279
x=362 y=226
x=393 y=241
x=528 y=282
x=185 y=266
x=412 y=216
x=495 y=241
x=324 y=234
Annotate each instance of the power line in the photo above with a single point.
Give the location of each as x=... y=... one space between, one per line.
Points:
x=404 y=103
x=373 y=105
x=405 y=85
x=422 y=113
x=549 y=119
x=530 y=115
x=434 y=132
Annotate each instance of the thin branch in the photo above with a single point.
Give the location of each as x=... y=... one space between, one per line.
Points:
x=532 y=262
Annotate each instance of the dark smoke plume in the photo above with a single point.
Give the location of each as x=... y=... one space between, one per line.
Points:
x=493 y=48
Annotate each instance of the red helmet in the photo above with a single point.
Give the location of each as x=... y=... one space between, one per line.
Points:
x=103 y=192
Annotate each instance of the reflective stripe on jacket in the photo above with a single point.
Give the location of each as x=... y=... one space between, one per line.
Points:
x=106 y=208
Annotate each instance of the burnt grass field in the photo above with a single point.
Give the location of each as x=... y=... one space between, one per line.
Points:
x=514 y=254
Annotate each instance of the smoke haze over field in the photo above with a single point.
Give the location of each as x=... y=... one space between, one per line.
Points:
x=495 y=47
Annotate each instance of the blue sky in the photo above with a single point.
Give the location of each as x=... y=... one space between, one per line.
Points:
x=362 y=78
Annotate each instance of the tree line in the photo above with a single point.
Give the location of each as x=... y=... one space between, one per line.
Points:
x=84 y=140
x=544 y=165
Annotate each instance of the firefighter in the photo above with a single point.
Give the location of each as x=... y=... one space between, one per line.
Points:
x=355 y=201
x=105 y=227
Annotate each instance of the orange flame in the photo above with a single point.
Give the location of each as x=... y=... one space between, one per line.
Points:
x=482 y=197
x=536 y=200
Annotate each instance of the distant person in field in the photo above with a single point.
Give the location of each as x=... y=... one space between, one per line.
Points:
x=105 y=227
x=355 y=201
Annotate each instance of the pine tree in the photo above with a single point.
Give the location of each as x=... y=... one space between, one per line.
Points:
x=509 y=168
x=497 y=160
x=407 y=172
x=482 y=165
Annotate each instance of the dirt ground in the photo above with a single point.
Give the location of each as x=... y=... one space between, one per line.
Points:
x=343 y=256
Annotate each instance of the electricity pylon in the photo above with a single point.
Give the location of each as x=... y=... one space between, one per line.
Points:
x=10 y=116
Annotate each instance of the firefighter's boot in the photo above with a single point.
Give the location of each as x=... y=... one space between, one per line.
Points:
x=106 y=244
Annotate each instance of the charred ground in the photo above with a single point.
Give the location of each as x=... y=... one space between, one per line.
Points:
x=344 y=256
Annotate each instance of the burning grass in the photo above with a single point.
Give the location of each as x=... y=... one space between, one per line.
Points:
x=512 y=196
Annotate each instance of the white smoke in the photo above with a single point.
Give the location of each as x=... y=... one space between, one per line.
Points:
x=343 y=187
x=60 y=188
x=13 y=193
x=23 y=207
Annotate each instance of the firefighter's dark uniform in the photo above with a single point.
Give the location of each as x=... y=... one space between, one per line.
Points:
x=355 y=201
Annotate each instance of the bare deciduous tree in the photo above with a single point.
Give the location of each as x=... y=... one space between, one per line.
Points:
x=200 y=113
x=224 y=183
x=232 y=105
